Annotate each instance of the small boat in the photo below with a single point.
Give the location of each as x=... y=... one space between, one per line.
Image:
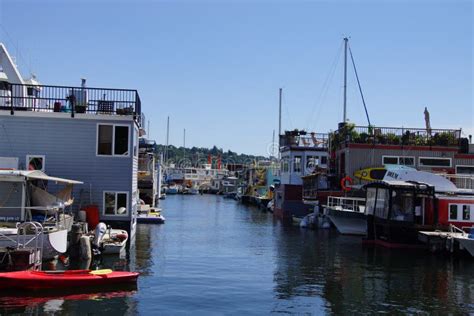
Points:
x=149 y=215
x=114 y=241
x=39 y=280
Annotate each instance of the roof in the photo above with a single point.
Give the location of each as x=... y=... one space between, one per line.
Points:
x=33 y=175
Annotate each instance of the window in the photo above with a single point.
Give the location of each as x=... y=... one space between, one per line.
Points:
x=115 y=203
x=35 y=162
x=398 y=160
x=297 y=164
x=113 y=140
x=402 y=206
x=466 y=213
x=453 y=212
x=381 y=206
x=465 y=170
x=312 y=162
x=434 y=162
x=324 y=160
x=370 y=201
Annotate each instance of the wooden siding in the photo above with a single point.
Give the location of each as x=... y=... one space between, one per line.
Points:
x=70 y=146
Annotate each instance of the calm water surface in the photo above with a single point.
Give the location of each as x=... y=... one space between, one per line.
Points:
x=215 y=256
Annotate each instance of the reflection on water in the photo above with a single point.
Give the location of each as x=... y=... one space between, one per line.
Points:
x=215 y=255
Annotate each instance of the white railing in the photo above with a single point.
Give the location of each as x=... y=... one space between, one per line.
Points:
x=346 y=203
x=462 y=181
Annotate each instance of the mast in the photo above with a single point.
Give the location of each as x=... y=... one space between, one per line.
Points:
x=344 y=117
x=273 y=145
x=184 y=144
x=279 y=113
x=167 y=138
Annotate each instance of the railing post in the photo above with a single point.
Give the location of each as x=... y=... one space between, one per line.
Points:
x=11 y=100
x=72 y=99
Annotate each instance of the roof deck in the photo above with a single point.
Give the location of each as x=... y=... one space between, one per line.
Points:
x=72 y=100
x=303 y=140
x=350 y=134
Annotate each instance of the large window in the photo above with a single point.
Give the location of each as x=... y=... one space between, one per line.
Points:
x=370 y=201
x=115 y=203
x=402 y=206
x=113 y=140
x=35 y=162
x=297 y=164
x=434 y=162
x=398 y=160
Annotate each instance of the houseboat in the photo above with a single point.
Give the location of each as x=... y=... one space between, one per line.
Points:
x=76 y=132
x=302 y=154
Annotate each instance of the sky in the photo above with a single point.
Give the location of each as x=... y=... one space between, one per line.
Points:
x=215 y=67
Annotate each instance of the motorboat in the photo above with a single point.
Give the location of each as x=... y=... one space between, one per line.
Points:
x=109 y=241
x=347 y=214
x=149 y=215
x=41 y=280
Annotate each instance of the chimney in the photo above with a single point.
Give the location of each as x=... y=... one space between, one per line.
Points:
x=83 y=82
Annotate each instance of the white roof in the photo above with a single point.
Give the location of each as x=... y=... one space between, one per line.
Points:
x=33 y=174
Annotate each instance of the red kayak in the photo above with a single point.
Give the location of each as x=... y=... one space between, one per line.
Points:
x=35 y=280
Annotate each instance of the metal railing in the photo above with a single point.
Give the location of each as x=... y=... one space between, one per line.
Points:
x=73 y=100
x=396 y=136
x=346 y=203
x=309 y=140
x=462 y=181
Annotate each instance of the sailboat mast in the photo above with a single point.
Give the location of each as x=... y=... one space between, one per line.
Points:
x=184 y=144
x=167 y=138
x=344 y=118
x=279 y=113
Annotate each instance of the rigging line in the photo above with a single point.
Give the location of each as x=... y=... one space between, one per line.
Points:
x=360 y=88
x=20 y=55
x=325 y=86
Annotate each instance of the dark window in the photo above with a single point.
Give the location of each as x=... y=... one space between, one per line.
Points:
x=36 y=163
x=465 y=169
x=407 y=161
x=121 y=201
x=104 y=144
x=109 y=203
x=324 y=160
x=390 y=160
x=453 y=212
x=121 y=140
x=435 y=162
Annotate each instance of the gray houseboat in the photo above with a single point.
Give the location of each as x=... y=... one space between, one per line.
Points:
x=89 y=134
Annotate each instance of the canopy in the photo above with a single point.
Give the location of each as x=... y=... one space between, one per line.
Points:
x=33 y=175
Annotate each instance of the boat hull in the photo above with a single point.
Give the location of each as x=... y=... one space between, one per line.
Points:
x=348 y=222
x=38 y=280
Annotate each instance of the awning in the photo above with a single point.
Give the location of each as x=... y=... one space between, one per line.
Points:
x=34 y=174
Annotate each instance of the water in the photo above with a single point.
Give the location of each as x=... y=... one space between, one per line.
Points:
x=215 y=256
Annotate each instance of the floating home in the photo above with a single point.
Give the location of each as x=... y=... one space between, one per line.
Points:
x=83 y=133
x=302 y=154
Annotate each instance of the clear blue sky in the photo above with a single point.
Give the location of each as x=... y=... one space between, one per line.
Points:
x=215 y=67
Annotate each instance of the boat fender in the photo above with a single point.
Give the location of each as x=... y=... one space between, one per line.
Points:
x=344 y=182
x=85 y=248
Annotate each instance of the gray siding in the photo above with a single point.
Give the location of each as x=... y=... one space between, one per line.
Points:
x=359 y=158
x=69 y=146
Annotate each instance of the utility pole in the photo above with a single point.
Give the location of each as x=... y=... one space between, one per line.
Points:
x=344 y=117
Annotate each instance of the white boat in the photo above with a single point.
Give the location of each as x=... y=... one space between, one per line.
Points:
x=347 y=214
x=114 y=242
x=150 y=215
x=172 y=189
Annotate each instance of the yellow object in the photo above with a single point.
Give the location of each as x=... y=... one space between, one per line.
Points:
x=370 y=174
x=101 y=272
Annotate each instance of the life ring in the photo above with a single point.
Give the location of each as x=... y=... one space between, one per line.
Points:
x=344 y=181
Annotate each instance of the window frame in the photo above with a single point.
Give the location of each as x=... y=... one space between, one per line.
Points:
x=129 y=141
x=300 y=164
x=435 y=158
x=116 y=209
x=460 y=212
x=465 y=166
x=398 y=160
x=43 y=157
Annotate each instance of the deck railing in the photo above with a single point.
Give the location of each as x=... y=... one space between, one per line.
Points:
x=462 y=181
x=346 y=203
x=396 y=136
x=309 y=140
x=73 y=100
